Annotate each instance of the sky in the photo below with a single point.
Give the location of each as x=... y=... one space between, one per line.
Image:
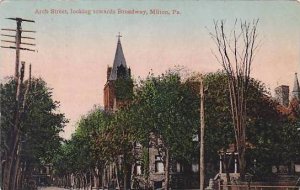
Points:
x=75 y=49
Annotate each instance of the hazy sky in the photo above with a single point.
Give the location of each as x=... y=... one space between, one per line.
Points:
x=74 y=50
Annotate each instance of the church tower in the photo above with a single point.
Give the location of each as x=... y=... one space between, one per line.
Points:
x=296 y=88
x=119 y=71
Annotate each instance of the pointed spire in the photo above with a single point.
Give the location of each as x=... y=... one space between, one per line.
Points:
x=296 y=88
x=119 y=60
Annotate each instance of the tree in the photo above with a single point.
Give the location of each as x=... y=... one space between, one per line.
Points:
x=236 y=53
x=276 y=140
x=93 y=137
x=218 y=123
x=271 y=128
x=167 y=108
x=39 y=127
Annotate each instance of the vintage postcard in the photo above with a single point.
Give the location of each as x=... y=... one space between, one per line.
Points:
x=112 y=94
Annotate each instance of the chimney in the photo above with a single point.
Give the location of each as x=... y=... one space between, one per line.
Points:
x=296 y=89
x=108 y=73
x=282 y=95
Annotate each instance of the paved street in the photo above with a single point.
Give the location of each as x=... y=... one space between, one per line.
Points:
x=51 y=188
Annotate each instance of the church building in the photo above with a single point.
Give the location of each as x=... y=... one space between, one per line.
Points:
x=119 y=70
x=114 y=100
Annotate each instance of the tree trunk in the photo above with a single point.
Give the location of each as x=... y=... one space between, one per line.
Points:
x=21 y=178
x=117 y=176
x=81 y=180
x=91 y=179
x=148 y=168
x=71 y=180
x=85 y=180
x=97 y=175
x=16 y=168
x=125 y=172
x=9 y=170
x=132 y=176
x=167 y=170
x=242 y=163
x=237 y=63
x=18 y=179
x=103 y=177
x=6 y=173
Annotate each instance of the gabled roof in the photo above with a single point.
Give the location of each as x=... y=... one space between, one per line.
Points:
x=118 y=61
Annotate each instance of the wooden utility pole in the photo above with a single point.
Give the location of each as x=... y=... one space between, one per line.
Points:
x=13 y=141
x=18 y=41
x=201 y=168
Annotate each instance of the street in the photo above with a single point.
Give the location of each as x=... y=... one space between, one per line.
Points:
x=51 y=188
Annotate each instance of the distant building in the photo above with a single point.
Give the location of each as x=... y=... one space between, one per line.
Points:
x=182 y=175
x=117 y=71
x=296 y=88
x=282 y=94
x=42 y=174
x=288 y=106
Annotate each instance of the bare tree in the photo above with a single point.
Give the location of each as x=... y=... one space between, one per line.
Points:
x=236 y=51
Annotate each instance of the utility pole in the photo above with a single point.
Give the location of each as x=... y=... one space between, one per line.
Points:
x=11 y=160
x=18 y=41
x=202 y=125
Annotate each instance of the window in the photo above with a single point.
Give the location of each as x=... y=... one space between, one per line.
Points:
x=297 y=168
x=157 y=184
x=195 y=167
x=159 y=165
x=179 y=167
x=195 y=138
x=138 y=145
x=43 y=170
x=138 y=168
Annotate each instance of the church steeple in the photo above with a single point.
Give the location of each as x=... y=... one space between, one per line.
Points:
x=296 y=88
x=119 y=61
x=115 y=95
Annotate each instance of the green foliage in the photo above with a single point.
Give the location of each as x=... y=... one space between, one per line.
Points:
x=275 y=137
x=168 y=108
x=40 y=123
x=88 y=146
x=219 y=128
x=8 y=104
x=145 y=162
x=124 y=88
x=271 y=137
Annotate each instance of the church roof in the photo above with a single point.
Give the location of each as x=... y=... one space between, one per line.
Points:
x=118 y=61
